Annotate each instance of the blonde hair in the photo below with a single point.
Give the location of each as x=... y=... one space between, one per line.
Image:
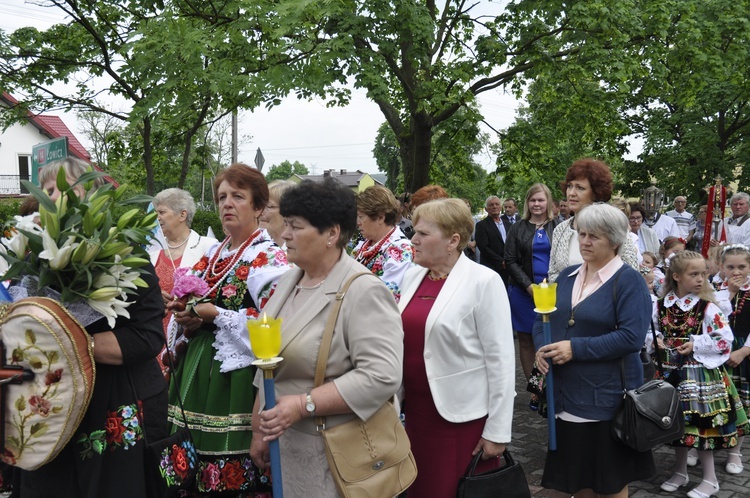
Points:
x=735 y=250
x=678 y=265
x=535 y=189
x=277 y=188
x=652 y=256
x=450 y=215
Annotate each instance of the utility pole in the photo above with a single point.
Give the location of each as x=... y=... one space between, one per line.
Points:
x=234 y=136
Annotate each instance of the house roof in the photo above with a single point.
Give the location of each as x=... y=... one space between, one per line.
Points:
x=348 y=178
x=54 y=127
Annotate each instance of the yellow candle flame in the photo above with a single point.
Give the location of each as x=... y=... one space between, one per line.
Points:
x=544 y=284
x=265 y=320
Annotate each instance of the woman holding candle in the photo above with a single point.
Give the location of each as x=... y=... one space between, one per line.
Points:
x=215 y=375
x=586 y=182
x=603 y=307
x=527 y=249
x=365 y=360
x=386 y=251
x=459 y=365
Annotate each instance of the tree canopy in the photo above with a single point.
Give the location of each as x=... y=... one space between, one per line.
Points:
x=286 y=169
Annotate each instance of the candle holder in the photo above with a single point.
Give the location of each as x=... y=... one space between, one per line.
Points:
x=265 y=340
x=545 y=296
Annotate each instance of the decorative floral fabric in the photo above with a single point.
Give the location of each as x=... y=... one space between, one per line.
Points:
x=229 y=474
x=122 y=431
x=259 y=267
x=710 y=332
x=391 y=262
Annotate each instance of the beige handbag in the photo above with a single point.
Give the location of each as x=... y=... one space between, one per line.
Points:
x=368 y=458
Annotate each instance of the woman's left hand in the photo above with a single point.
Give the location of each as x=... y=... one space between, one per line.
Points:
x=558 y=352
x=490 y=449
x=287 y=412
x=685 y=348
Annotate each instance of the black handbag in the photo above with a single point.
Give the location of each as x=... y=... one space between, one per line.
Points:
x=172 y=462
x=649 y=415
x=507 y=481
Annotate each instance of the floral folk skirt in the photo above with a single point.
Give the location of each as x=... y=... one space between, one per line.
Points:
x=714 y=415
x=218 y=408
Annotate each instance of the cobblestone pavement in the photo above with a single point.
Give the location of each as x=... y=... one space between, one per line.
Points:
x=529 y=447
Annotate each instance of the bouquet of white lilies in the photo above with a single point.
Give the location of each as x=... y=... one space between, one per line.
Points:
x=78 y=249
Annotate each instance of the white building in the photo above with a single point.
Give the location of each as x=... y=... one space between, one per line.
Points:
x=16 y=143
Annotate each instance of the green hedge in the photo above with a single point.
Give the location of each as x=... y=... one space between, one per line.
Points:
x=9 y=208
x=204 y=219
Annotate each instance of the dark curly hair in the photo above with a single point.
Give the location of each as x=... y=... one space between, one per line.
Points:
x=596 y=172
x=323 y=205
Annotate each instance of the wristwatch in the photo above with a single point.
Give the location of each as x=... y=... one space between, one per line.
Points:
x=310 y=405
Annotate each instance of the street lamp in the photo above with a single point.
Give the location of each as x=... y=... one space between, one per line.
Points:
x=653 y=199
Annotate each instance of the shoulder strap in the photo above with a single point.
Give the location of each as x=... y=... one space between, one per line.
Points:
x=325 y=343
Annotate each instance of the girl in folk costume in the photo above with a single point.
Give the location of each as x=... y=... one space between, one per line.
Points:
x=695 y=341
x=735 y=289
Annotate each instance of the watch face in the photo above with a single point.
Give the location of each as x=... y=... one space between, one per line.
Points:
x=310 y=407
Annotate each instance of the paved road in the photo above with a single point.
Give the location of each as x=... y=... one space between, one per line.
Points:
x=530 y=444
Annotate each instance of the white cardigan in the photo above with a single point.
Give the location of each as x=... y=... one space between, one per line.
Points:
x=197 y=246
x=469 y=353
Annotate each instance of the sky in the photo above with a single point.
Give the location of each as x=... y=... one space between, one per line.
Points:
x=321 y=138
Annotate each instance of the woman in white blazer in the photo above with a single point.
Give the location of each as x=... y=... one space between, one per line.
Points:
x=459 y=359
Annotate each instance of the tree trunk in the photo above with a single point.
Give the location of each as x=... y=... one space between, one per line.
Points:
x=148 y=155
x=416 y=150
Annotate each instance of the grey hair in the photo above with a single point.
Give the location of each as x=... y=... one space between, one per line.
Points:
x=606 y=220
x=177 y=200
x=277 y=187
x=740 y=196
x=490 y=198
x=74 y=169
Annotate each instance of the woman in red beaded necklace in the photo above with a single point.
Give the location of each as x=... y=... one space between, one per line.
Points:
x=215 y=374
x=386 y=251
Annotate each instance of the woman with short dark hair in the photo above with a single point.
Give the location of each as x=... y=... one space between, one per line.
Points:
x=366 y=356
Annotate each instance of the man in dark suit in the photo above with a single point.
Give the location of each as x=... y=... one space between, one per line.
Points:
x=490 y=236
x=510 y=211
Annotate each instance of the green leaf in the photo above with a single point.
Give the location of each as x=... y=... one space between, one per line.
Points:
x=38 y=429
x=30 y=336
x=20 y=404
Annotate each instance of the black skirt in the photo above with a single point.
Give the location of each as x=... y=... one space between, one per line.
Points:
x=587 y=457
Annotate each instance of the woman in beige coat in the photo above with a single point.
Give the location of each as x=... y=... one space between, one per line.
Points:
x=364 y=365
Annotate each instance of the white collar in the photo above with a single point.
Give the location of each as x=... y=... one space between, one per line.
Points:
x=685 y=303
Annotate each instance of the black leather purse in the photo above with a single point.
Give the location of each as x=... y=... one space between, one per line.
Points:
x=649 y=415
x=507 y=481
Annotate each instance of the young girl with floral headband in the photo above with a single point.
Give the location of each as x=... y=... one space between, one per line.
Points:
x=735 y=262
x=695 y=341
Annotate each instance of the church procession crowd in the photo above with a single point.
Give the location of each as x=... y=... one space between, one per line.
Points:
x=430 y=328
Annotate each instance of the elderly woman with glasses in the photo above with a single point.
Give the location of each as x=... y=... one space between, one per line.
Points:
x=648 y=241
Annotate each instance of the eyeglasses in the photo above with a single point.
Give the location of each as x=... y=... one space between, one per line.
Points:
x=636 y=218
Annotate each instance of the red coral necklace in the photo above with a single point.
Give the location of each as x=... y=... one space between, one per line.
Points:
x=218 y=270
x=368 y=252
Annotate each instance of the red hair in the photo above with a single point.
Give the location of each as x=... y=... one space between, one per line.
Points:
x=596 y=172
